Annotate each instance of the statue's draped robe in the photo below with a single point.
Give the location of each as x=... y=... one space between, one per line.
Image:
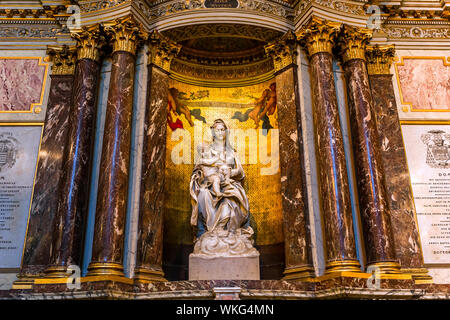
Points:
x=210 y=213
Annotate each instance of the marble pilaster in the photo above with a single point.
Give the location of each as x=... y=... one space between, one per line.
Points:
x=374 y=209
x=45 y=197
x=297 y=241
x=318 y=38
x=66 y=248
x=108 y=244
x=393 y=157
x=151 y=209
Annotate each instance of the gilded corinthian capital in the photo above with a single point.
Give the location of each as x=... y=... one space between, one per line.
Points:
x=282 y=51
x=63 y=59
x=318 y=35
x=90 y=41
x=161 y=50
x=379 y=59
x=352 y=42
x=125 y=34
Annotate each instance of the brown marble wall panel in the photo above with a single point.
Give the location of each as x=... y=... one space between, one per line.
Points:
x=293 y=182
x=393 y=157
x=74 y=188
x=333 y=178
x=151 y=205
x=112 y=196
x=45 y=197
x=374 y=209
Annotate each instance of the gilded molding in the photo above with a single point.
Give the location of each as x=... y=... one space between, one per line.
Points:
x=165 y=8
x=63 y=59
x=282 y=51
x=342 y=6
x=318 y=35
x=222 y=30
x=416 y=32
x=90 y=41
x=352 y=42
x=379 y=59
x=161 y=50
x=125 y=34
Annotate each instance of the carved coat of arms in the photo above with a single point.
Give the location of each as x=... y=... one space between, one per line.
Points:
x=438 y=148
x=8 y=151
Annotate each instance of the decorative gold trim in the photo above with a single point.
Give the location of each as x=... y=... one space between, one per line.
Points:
x=318 y=35
x=342 y=265
x=379 y=59
x=299 y=273
x=283 y=51
x=114 y=278
x=419 y=275
x=352 y=42
x=144 y=275
x=105 y=269
x=90 y=41
x=125 y=34
x=405 y=104
x=222 y=83
x=40 y=63
x=161 y=50
x=63 y=59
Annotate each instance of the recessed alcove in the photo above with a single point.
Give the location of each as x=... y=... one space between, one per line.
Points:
x=222 y=71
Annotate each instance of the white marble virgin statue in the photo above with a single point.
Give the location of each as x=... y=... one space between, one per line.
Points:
x=220 y=208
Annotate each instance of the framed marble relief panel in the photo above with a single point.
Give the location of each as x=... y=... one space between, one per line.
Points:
x=19 y=149
x=427 y=146
x=22 y=84
x=424 y=83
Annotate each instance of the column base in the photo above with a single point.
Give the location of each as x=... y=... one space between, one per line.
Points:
x=342 y=266
x=299 y=273
x=56 y=272
x=419 y=275
x=144 y=275
x=105 y=269
x=385 y=267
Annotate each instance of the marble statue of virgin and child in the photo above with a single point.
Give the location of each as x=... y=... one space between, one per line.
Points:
x=220 y=207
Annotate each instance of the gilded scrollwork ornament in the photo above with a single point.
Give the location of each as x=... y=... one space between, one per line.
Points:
x=352 y=42
x=90 y=42
x=125 y=34
x=161 y=50
x=318 y=35
x=63 y=59
x=283 y=51
x=379 y=59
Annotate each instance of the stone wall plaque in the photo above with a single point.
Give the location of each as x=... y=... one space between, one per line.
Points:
x=428 y=154
x=19 y=148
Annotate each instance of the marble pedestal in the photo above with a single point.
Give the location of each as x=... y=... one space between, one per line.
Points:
x=223 y=268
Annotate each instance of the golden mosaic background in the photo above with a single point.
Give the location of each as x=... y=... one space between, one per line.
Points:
x=263 y=190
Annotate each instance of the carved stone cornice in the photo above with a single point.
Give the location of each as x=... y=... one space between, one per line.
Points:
x=352 y=42
x=318 y=35
x=63 y=59
x=283 y=51
x=90 y=41
x=125 y=34
x=379 y=59
x=161 y=50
